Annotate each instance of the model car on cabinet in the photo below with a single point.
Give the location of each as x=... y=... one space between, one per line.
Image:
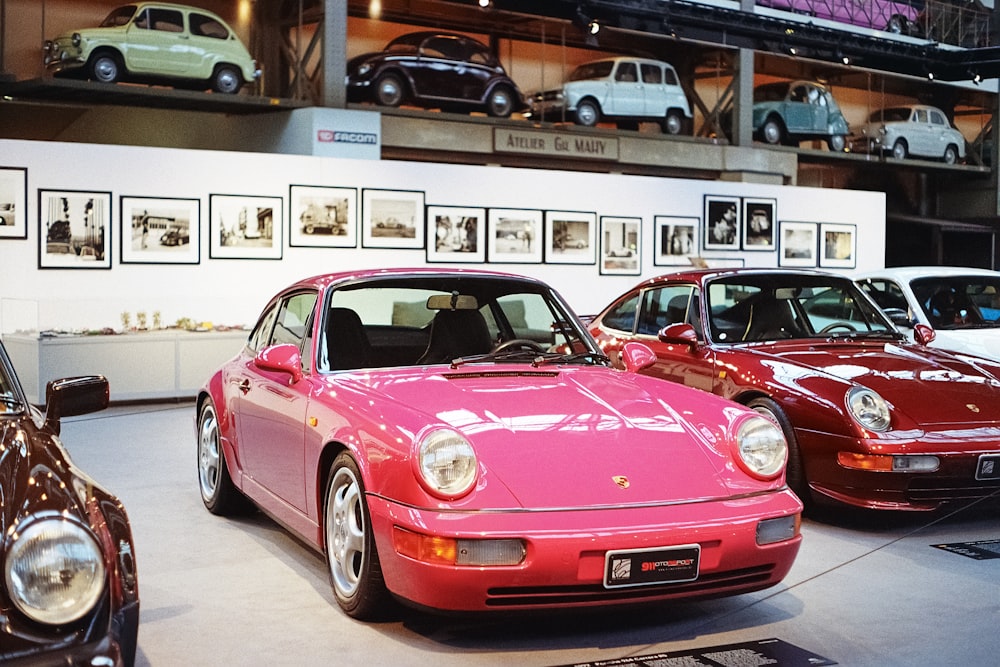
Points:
x=70 y=594
x=871 y=419
x=914 y=130
x=789 y=112
x=457 y=440
x=155 y=42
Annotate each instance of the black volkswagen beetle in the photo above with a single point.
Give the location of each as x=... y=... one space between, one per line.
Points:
x=69 y=594
x=434 y=70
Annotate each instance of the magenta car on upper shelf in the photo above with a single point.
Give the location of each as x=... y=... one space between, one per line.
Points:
x=457 y=440
x=895 y=17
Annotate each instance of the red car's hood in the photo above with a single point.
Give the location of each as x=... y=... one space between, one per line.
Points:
x=578 y=437
x=927 y=385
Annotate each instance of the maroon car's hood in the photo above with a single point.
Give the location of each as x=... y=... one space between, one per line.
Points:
x=557 y=438
x=927 y=385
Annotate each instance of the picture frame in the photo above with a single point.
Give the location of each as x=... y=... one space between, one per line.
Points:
x=514 y=236
x=13 y=203
x=74 y=229
x=456 y=234
x=723 y=223
x=838 y=245
x=676 y=240
x=392 y=218
x=621 y=245
x=245 y=226
x=321 y=216
x=759 y=224
x=159 y=230
x=797 y=243
x=570 y=237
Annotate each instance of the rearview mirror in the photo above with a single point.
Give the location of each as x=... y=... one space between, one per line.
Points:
x=453 y=301
x=678 y=334
x=284 y=358
x=637 y=356
x=923 y=334
x=74 y=396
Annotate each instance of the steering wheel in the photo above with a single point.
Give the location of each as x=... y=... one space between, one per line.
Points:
x=521 y=343
x=837 y=325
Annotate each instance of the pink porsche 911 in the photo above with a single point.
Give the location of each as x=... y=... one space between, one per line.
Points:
x=456 y=440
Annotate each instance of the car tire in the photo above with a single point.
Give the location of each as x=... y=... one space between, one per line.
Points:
x=673 y=122
x=227 y=80
x=389 y=90
x=500 y=103
x=220 y=495
x=105 y=67
x=900 y=150
x=349 y=544
x=837 y=143
x=773 y=132
x=588 y=113
x=795 y=475
x=950 y=154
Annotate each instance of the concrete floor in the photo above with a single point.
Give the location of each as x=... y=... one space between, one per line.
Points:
x=865 y=590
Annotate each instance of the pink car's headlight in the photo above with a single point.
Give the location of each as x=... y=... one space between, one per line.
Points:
x=760 y=447
x=446 y=463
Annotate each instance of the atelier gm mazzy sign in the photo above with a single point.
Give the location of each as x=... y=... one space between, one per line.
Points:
x=555 y=144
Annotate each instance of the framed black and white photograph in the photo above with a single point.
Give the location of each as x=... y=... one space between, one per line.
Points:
x=74 y=229
x=13 y=203
x=722 y=223
x=514 y=236
x=456 y=234
x=621 y=243
x=392 y=218
x=838 y=246
x=570 y=237
x=322 y=217
x=797 y=243
x=676 y=240
x=245 y=227
x=759 y=228
x=157 y=230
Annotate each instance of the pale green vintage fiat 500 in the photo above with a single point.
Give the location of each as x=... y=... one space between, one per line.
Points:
x=155 y=42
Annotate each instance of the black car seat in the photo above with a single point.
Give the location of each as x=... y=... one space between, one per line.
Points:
x=347 y=344
x=456 y=333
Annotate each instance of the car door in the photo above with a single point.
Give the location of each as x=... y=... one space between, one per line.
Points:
x=797 y=112
x=922 y=142
x=441 y=70
x=207 y=38
x=939 y=133
x=627 y=97
x=158 y=42
x=272 y=411
x=660 y=307
x=656 y=99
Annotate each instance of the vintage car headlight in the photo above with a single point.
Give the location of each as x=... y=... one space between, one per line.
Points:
x=54 y=571
x=447 y=463
x=77 y=39
x=364 y=68
x=761 y=449
x=869 y=409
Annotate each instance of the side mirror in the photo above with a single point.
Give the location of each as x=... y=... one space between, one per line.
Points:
x=637 y=356
x=923 y=334
x=284 y=358
x=74 y=396
x=678 y=334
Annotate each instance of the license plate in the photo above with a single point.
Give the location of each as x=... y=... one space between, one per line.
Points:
x=988 y=467
x=647 y=567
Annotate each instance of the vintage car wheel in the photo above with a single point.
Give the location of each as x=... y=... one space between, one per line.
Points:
x=837 y=143
x=588 y=113
x=105 y=67
x=501 y=102
x=950 y=154
x=218 y=492
x=389 y=90
x=795 y=475
x=355 y=571
x=227 y=80
x=673 y=123
x=773 y=132
x=900 y=150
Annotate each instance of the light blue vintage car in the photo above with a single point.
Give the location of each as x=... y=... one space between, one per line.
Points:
x=788 y=112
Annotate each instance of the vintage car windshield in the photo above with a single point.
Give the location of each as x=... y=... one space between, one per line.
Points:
x=890 y=115
x=596 y=70
x=777 y=306
x=119 y=17
x=959 y=302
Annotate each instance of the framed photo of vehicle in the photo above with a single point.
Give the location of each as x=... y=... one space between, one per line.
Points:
x=676 y=240
x=322 y=217
x=245 y=227
x=759 y=224
x=514 y=236
x=13 y=203
x=621 y=243
x=74 y=229
x=392 y=218
x=797 y=243
x=570 y=237
x=160 y=230
x=722 y=223
x=456 y=234
x=838 y=246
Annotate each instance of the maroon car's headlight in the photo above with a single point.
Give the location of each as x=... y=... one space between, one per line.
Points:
x=869 y=409
x=446 y=463
x=760 y=448
x=54 y=570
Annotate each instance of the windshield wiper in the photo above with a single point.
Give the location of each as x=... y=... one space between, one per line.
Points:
x=895 y=335
x=572 y=358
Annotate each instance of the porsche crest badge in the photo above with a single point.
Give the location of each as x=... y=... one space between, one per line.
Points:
x=620 y=480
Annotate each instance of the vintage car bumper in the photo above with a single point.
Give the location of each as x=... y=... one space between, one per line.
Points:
x=564 y=563
x=62 y=55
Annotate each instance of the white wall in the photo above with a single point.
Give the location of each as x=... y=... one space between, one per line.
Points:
x=232 y=291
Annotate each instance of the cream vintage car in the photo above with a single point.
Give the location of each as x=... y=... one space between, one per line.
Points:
x=155 y=42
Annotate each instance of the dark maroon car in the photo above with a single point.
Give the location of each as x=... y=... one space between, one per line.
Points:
x=871 y=419
x=434 y=70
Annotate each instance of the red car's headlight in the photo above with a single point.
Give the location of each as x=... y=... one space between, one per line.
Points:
x=446 y=463
x=760 y=447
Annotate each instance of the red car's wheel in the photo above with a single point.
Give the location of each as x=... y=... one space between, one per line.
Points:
x=218 y=492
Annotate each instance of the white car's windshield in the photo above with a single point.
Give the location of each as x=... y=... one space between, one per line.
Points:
x=959 y=302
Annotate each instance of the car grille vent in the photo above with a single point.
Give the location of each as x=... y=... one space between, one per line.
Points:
x=502 y=374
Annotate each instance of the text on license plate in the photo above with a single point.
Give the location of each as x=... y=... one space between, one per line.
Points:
x=646 y=567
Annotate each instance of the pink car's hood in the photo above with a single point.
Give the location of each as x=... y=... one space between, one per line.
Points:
x=579 y=437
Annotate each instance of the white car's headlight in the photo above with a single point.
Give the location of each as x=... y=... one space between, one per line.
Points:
x=761 y=449
x=446 y=463
x=54 y=571
x=869 y=409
